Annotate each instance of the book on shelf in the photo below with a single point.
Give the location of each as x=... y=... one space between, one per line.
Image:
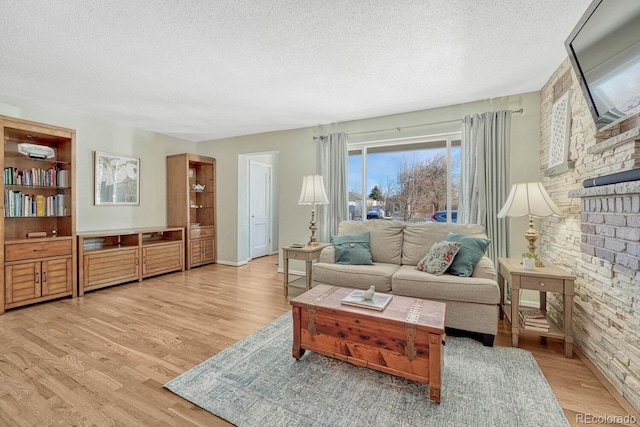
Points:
x=543 y=323
x=535 y=328
x=533 y=319
x=378 y=302
x=39 y=205
x=532 y=313
x=17 y=204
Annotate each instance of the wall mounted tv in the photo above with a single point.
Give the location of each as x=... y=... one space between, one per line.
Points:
x=604 y=49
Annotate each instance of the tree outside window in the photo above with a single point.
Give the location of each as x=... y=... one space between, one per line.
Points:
x=415 y=179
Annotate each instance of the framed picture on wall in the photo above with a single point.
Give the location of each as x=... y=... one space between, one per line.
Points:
x=117 y=179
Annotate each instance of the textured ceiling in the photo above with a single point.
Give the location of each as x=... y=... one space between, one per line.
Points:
x=206 y=69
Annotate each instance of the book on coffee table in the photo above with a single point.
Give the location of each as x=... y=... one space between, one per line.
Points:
x=378 y=302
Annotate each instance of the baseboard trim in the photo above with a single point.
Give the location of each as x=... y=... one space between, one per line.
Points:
x=605 y=382
x=232 y=264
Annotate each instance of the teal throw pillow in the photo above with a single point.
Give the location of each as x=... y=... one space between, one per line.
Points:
x=352 y=249
x=439 y=258
x=473 y=248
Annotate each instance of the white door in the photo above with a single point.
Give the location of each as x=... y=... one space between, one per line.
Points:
x=260 y=208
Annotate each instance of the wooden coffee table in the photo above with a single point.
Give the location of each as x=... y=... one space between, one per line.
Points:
x=406 y=339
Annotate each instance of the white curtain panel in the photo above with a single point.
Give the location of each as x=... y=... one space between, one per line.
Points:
x=484 y=175
x=332 y=165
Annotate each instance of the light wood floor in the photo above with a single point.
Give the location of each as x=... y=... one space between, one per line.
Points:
x=102 y=359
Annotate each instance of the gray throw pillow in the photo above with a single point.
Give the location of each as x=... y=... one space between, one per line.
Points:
x=473 y=248
x=352 y=249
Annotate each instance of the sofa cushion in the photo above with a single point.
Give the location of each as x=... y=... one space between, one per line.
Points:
x=410 y=282
x=485 y=269
x=419 y=237
x=385 y=238
x=473 y=248
x=355 y=276
x=439 y=258
x=328 y=255
x=352 y=249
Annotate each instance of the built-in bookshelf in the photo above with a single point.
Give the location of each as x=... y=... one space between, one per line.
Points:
x=191 y=191
x=38 y=205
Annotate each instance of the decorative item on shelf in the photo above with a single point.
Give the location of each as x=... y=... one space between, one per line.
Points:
x=36 y=151
x=529 y=198
x=192 y=204
x=313 y=193
x=198 y=187
x=37 y=234
x=529 y=261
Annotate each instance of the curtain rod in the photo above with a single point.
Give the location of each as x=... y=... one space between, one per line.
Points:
x=520 y=111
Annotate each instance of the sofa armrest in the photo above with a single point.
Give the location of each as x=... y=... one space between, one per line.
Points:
x=328 y=255
x=485 y=269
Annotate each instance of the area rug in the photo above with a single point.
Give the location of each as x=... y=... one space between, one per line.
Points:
x=256 y=382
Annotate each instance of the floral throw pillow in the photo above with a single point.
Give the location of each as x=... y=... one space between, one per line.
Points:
x=439 y=258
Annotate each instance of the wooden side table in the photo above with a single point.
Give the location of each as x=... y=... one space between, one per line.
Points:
x=543 y=279
x=307 y=254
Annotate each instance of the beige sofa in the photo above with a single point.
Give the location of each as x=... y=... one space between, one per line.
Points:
x=396 y=249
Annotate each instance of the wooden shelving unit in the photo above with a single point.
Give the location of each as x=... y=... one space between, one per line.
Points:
x=543 y=279
x=38 y=161
x=191 y=195
x=112 y=257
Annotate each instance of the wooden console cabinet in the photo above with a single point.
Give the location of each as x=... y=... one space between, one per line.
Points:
x=191 y=195
x=38 y=221
x=118 y=256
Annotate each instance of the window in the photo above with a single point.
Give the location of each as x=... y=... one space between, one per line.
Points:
x=416 y=180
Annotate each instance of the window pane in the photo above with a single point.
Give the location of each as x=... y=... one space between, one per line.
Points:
x=406 y=182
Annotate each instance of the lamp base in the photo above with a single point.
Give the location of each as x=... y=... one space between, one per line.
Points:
x=532 y=235
x=313 y=228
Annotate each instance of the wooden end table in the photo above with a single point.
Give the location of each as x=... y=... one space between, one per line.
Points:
x=405 y=340
x=543 y=279
x=307 y=254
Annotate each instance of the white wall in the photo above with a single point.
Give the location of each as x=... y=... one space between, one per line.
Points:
x=95 y=134
x=298 y=158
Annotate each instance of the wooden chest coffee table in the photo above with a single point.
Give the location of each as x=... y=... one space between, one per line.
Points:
x=406 y=339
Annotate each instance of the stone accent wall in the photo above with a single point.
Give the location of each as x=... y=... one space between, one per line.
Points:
x=598 y=238
x=611 y=225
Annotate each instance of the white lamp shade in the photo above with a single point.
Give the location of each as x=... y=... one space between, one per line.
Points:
x=529 y=198
x=313 y=191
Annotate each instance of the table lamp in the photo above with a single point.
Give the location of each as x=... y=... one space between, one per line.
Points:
x=313 y=193
x=529 y=198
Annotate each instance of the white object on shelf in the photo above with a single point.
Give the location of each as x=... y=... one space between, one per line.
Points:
x=36 y=151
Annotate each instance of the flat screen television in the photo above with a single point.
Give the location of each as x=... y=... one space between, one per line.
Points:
x=604 y=49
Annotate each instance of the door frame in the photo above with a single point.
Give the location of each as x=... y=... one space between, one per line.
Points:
x=269 y=166
x=244 y=217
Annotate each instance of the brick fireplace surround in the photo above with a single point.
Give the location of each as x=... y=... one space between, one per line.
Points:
x=598 y=237
x=610 y=224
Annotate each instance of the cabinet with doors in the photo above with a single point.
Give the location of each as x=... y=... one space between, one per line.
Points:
x=38 y=204
x=191 y=203
x=112 y=257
